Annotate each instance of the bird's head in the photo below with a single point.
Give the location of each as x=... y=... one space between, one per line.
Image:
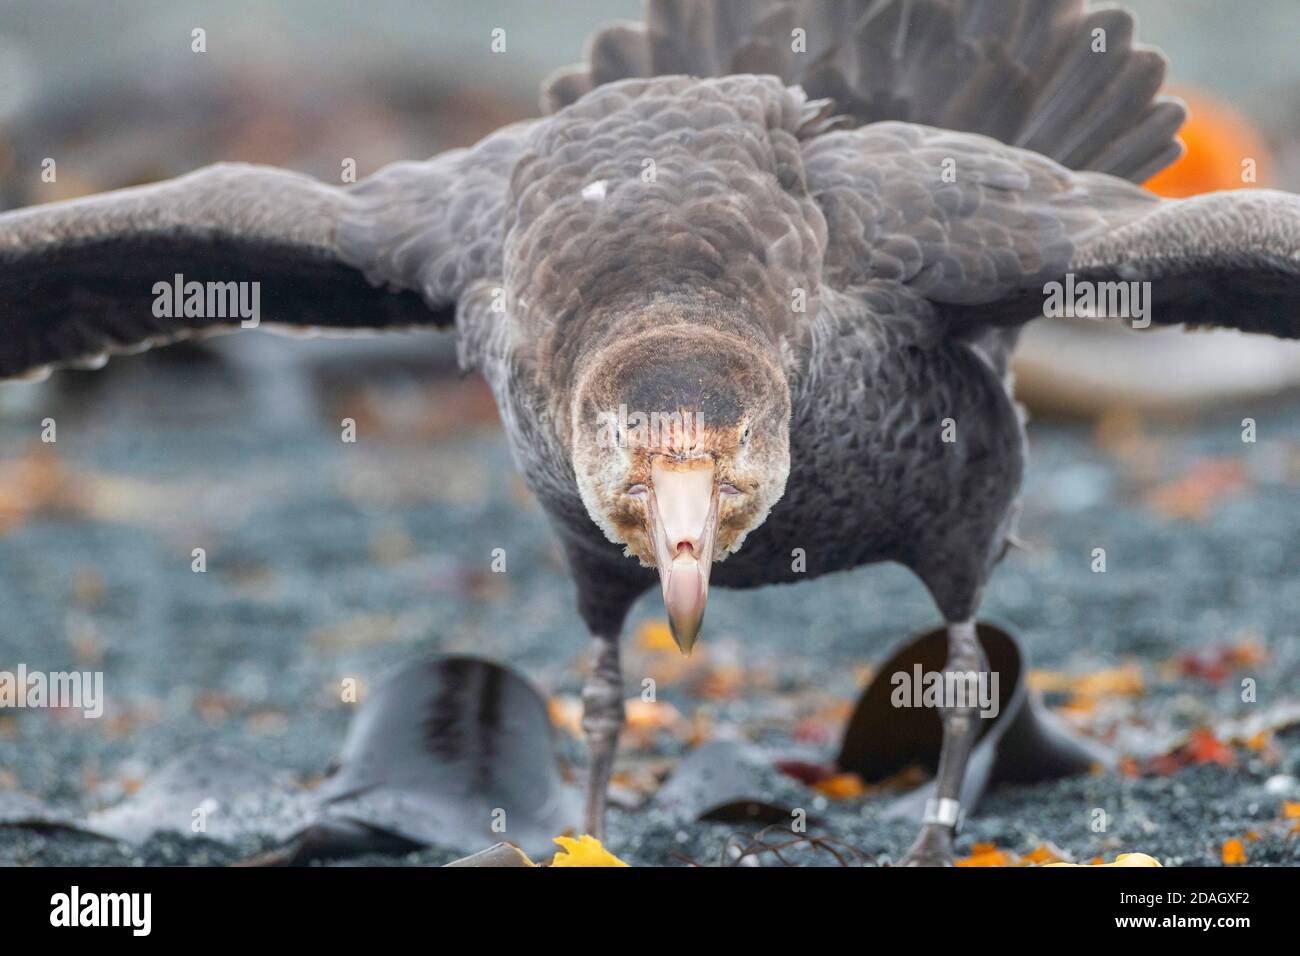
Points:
x=681 y=448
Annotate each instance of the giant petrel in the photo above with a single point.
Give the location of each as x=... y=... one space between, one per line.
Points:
x=745 y=292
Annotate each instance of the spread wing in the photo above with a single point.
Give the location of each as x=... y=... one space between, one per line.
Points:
x=981 y=229
x=85 y=278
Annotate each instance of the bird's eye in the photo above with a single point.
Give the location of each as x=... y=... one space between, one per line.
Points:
x=728 y=491
x=744 y=436
x=636 y=491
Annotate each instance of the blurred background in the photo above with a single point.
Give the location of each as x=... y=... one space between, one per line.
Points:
x=328 y=560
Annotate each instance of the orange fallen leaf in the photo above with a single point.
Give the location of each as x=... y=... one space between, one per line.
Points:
x=1234 y=852
x=645 y=719
x=36 y=483
x=1079 y=706
x=1123 y=681
x=1202 y=747
x=1218 y=662
x=842 y=786
x=566 y=714
x=1042 y=855
x=1196 y=492
x=986 y=854
x=650 y=714
x=1291 y=810
x=643 y=777
x=720 y=683
x=655 y=636
x=583 y=851
x=824 y=723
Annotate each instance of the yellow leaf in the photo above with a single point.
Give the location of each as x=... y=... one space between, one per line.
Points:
x=584 y=851
x=1291 y=810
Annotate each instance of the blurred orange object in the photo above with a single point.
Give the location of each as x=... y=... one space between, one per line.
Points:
x=1219 y=140
x=986 y=854
x=655 y=636
x=1194 y=495
x=1233 y=853
x=843 y=786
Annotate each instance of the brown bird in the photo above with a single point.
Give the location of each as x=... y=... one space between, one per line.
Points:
x=745 y=294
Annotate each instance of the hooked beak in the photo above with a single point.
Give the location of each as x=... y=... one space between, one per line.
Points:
x=683 y=523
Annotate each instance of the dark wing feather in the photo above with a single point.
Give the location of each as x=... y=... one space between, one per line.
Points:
x=959 y=218
x=435 y=226
x=77 y=278
x=980 y=229
x=1227 y=259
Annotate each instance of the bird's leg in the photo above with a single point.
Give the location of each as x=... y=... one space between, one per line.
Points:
x=602 y=720
x=933 y=847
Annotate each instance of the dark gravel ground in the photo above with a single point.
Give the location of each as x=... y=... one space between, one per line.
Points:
x=329 y=560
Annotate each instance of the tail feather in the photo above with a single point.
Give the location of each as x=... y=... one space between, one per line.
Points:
x=763 y=51
x=1134 y=85
x=1028 y=72
x=1078 y=83
x=1148 y=146
x=618 y=52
